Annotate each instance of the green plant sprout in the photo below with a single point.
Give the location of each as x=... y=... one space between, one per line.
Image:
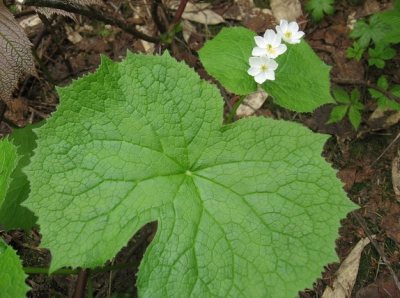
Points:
x=320 y=7
x=379 y=54
x=242 y=209
x=350 y=105
x=382 y=30
x=385 y=103
x=355 y=52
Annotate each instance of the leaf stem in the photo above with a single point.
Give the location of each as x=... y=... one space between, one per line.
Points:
x=229 y=120
x=33 y=270
x=366 y=84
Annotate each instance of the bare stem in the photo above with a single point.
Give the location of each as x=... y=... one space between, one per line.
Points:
x=368 y=85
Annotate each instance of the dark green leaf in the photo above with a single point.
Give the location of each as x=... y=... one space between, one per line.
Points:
x=341 y=96
x=355 y=117
x=337 y=113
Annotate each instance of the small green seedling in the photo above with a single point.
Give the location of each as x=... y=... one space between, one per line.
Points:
x=385 y=103
x=356 y=51
x=348 y=104
x=319 y=7
x=379 y=54
x=365 y=32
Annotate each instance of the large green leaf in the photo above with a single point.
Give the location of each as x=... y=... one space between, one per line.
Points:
x=226 y=58
x=301 y=80
x=12 y=214
x=392 y=19
x=12 y=277
x=249 y=209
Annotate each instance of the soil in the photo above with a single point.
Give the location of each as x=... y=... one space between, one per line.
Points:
x=363 y=159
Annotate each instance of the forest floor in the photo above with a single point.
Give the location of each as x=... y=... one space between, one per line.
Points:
x=364 y=159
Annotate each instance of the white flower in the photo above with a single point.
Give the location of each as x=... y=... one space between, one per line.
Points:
x=269 y=45
x=262 y=68
x=289 y=32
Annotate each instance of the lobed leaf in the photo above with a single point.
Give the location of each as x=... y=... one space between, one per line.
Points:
x=15 y=54
x=319 y=7
x=375 y=30
x=12 y=214
x=299 y=77
x=392 y=19
x=249 y=209
x=12 y=277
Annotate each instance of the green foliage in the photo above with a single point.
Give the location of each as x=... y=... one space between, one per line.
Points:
x=12 y=214
x=12 y=277
x=349 y=104
x=172 y=31
x=385 y=103
x=242 y=209
x=375 y=31
x=8 y=161
x=392 y=19
x=356 y=51
x=226 y=57
x=379 y=54
x=319 y=7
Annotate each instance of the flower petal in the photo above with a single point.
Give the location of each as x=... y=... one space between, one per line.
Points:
x=298 y=35
x=269 y=36
x=272 y=65
x=260 y=78
x=259 y=51
x=269 y=75
x=253 y=71
x=293 y=27
x=260 y=41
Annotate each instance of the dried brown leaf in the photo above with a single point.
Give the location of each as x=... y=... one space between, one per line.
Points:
x=15 y=54
x=47 y=11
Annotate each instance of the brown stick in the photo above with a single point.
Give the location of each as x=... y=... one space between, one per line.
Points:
x=81 y=284
x=368 y=85
x=180 y=11
x=91 y=13
x=154 y=14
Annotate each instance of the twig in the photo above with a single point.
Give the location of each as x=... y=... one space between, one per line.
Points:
x=377 y=247
x=366 y=84
x=180 y=11
x=384 y=151
x=91 y=13
x=81 y=283
x=154 y=14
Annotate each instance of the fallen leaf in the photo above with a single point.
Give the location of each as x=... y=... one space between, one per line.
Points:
x=391 y=224
x=380 y=119
x=382 y=288
x=345 y=277
x=396 y=175
x=251 y=103
x=187 y=29
x=206 y=16
x=288 y=10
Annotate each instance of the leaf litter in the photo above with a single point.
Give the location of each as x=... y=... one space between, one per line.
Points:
x=367 y=176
